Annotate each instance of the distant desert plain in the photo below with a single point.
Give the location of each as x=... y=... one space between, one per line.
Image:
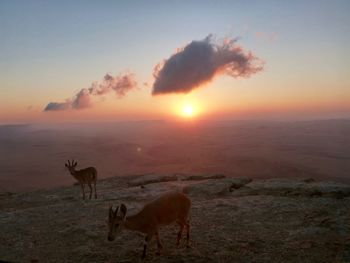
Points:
x=32 y=156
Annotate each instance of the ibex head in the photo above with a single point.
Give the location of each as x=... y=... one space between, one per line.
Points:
x=115 y=221
x=71 y=166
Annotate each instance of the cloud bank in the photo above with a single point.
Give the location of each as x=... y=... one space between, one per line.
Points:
x=120 y=85
x=199 y=62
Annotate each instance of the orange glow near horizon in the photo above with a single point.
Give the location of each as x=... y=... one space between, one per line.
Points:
x=198 y=105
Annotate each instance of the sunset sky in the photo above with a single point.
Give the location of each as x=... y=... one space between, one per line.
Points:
x=51 y=50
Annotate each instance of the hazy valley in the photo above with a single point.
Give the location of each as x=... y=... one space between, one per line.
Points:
x=33 y=156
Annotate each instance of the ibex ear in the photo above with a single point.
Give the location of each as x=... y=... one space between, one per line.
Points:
x=116 y=211
x=66 y=165
x=123 y=210
x=110 y=211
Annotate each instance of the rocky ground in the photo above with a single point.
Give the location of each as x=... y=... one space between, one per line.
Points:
x=233 y=220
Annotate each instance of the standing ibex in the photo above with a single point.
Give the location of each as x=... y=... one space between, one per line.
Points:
x=162 y=211
x=84 y=176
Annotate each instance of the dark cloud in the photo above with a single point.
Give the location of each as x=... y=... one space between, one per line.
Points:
x=57 y=106
x=199 y=62
x=120 y=85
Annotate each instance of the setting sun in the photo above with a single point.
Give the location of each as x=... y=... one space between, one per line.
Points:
x=188 y=110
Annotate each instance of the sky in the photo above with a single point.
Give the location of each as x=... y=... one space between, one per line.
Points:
x=50 y=51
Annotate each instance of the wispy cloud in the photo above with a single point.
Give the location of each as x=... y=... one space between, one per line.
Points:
x=199 y=62
x=120 y=85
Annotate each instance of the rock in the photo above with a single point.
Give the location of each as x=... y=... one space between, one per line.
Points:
x=329 y=189
x=202 y=177
x=6 y=194
x=92 y=234
x=239 y=184
x=284 y=187
x=68 y=198
x=308 y=180
x=151 y=178
x=277 y=187
x=216 y=187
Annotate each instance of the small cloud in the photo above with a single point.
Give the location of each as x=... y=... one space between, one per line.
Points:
x=57 y=106
x=120 y=85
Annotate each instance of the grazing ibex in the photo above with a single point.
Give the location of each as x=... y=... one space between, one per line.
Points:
x=84 y=176
x=166 y=209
